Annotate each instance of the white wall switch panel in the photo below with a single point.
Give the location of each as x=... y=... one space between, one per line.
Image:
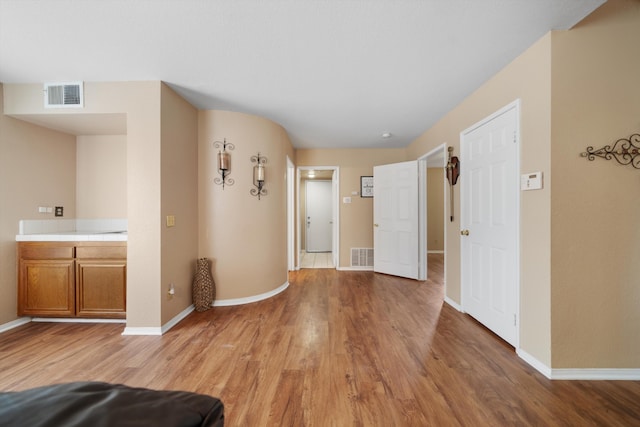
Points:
x=346 y=200
x=531 y=181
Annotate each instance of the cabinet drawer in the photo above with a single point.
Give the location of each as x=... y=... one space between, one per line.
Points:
x=101 y=252
x=45 y=251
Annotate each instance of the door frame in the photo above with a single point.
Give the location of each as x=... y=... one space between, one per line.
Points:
x=512 y=105
x=335 y=208
x=291 y=259
x=437 y=154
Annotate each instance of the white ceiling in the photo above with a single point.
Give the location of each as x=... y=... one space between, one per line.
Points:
x=333 y=73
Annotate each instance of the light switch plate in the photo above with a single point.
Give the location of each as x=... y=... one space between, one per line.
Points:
x=171 y=220
x=346 y=200
x=531 y=181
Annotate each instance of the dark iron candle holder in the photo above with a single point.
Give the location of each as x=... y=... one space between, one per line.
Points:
x=258 y=176
x=224 y=163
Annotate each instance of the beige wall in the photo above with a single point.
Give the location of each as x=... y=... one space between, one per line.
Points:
x=245 y=238
x=179 y=198
x=140 y=101
x=162 y=179
x=528 y=78
x=595 y=247
x=37 y=168
x=579 y=299
x=356 y=218
x=435 y=209
x=101 y=176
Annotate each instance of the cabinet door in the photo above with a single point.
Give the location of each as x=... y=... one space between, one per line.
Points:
x=46 y=288
x=101 y=288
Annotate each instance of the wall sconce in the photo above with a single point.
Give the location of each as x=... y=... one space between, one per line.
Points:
x=224 y=163
x=258 y=176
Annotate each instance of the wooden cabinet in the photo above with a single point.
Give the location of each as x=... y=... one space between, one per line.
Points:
x=72 y=279
x=101 y=281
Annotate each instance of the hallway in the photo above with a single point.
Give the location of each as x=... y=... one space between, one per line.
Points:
x=316 y=260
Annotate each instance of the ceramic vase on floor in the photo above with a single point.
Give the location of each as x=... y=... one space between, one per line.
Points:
x=204 y=289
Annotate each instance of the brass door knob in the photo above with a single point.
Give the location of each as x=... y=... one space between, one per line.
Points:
x=464 y=232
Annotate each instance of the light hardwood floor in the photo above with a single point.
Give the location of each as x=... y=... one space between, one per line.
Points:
x=337 y=348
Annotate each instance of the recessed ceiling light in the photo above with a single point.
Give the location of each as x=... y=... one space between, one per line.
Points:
x=386 y=135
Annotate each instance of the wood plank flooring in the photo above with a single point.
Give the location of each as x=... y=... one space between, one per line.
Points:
x=335 y=349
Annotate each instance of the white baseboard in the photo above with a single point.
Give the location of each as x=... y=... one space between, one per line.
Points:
x=354 y=268
x=173 y=322
x=14 y=324
x=611 y=374
x=535 y=363
x=453 y=304
x=131 y=330
x=249 y=300
x=24 y=320
x=75 y=320
x=582 y=374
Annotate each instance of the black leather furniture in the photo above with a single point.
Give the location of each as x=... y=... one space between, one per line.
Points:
x=97 y=404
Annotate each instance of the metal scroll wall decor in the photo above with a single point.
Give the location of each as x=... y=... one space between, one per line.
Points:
x=624 y=151
x=258 y=176
x=453 y=172
x=224 y=163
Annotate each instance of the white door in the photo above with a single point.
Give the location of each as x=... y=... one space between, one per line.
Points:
x=395 y=218
x=319 y=216
x=489 y=222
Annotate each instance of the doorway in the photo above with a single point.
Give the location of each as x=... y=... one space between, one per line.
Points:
x=409 y=212
x=318 y=217
x=434 y=198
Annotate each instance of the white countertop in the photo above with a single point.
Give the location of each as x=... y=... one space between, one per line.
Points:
x=74 y=236
x=73 y=230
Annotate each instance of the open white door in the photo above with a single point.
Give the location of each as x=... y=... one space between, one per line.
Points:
x=489 y=220
x=395 y=218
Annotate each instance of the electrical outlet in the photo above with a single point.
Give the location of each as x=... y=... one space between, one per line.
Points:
x=171 y=220
x=59 y=211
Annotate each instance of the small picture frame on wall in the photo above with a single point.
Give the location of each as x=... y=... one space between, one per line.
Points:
x=366 y=186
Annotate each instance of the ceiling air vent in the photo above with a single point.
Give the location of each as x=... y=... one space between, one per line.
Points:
x=63 y=95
